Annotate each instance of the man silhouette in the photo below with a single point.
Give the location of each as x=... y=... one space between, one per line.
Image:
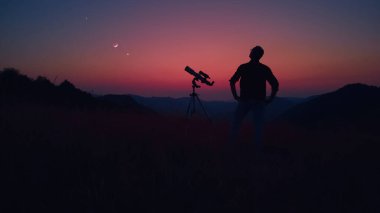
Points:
x=253 y=77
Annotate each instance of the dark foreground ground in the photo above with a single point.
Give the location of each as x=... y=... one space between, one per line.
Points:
x=59 y=160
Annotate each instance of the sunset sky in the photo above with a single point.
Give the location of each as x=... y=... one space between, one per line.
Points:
x=142 y=46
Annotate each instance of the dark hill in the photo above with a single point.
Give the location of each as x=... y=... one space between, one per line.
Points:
x=355 y=105
x=16 y=89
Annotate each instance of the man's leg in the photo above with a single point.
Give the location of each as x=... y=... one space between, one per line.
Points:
x=240 y=112
x=258 y=110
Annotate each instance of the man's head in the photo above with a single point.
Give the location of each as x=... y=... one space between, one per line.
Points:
x=256 y=53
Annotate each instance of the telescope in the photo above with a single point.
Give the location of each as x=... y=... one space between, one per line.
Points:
x=202 y=77
x=199 y=76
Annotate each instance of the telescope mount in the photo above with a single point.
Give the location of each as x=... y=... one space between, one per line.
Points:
x=194 y=98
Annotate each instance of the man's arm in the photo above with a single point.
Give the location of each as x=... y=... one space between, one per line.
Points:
x=233 y=81
x=233 y=90
x=274 y=85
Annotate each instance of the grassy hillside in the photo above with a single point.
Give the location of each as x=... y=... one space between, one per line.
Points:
x=96 y=161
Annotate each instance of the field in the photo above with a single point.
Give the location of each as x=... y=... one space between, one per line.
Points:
x=56 y=159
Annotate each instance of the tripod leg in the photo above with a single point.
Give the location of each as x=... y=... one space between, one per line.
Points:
x=204 y=110
x=188 y=114
x=194 y=103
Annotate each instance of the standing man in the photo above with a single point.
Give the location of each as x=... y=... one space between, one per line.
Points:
x=253 y=77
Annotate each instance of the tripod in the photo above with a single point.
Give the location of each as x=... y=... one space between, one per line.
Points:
x=193 y=99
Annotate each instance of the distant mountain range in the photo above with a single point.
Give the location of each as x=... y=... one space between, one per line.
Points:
x=216 y=109
x=355 y=105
